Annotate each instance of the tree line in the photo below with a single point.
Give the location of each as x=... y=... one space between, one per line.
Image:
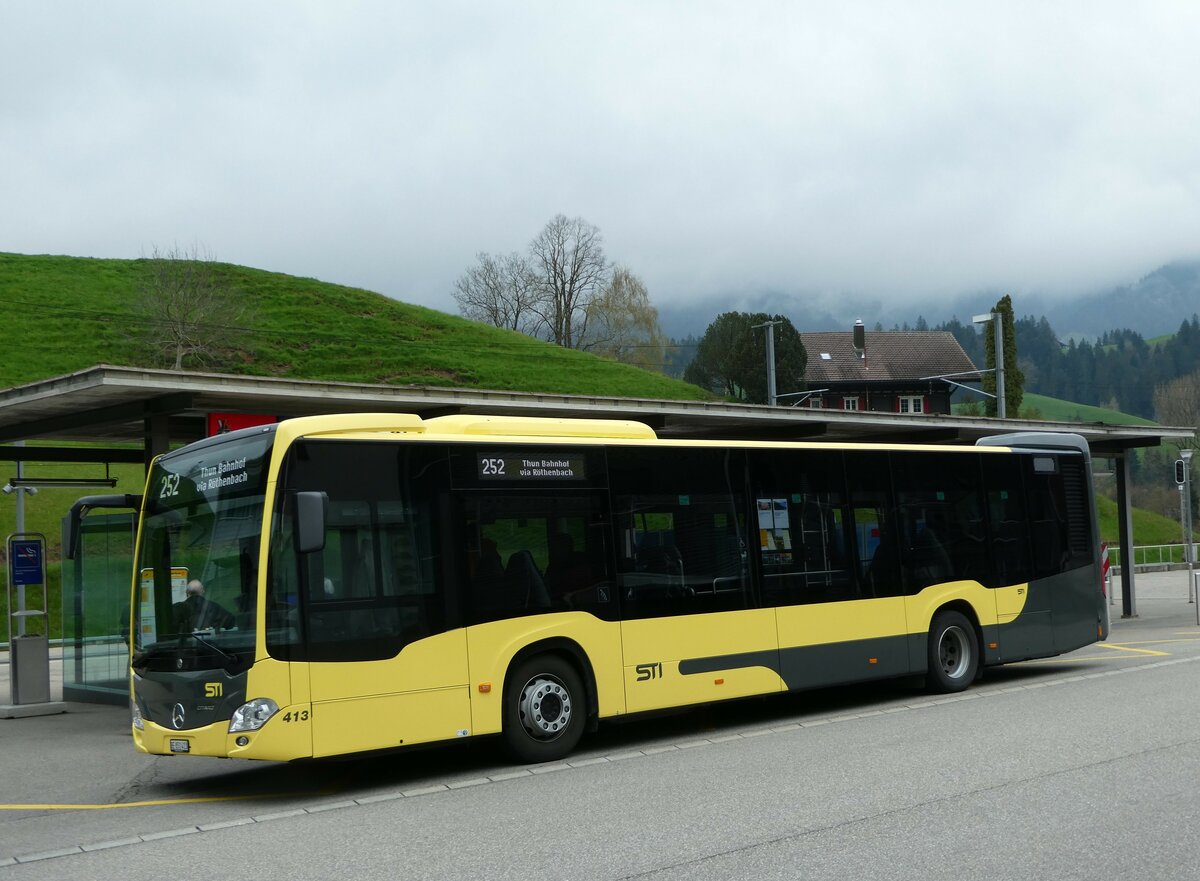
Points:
x=1120 y=370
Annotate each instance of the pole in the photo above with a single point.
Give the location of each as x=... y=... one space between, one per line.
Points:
x=770 y=326
x=1125 y=525
x=771 y=363
x=1189 y=550
x=19 y=531
x=1183 y=523
x=998 y=332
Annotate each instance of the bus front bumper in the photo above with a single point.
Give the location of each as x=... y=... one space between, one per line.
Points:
x=275 y=742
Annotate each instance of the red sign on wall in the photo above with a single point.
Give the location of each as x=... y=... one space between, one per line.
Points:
x=221 y=423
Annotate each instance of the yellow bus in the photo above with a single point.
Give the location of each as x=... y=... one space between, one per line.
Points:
x=353 y=583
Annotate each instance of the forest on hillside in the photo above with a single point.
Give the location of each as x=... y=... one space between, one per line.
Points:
x=1120 y=370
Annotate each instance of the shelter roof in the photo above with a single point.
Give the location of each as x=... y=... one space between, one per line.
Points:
x=130 y=406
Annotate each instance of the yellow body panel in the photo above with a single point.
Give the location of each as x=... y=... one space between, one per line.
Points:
x=821 y=623
x=1010 y=602
x=417 y=696
x=389 y=720
x=654 y=647
x=491 y=648
x=273 y=679
x=920 y=608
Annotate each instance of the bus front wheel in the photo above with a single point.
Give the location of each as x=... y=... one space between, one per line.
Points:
x=544 y=709
x=953 y=653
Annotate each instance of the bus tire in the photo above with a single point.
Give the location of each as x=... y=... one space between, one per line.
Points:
x=545 y=709
x=953 y=653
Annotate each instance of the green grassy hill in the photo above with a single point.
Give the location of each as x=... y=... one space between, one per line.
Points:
x=73 y=312
x=1058 y=410
x=1148 y=528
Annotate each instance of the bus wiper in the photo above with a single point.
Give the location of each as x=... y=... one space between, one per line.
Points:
x=230 y=660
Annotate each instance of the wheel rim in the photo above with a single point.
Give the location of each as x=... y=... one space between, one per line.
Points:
x=954 y=652
x=545 y=707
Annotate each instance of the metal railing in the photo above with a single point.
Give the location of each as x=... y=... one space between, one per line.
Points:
x=1153 y=555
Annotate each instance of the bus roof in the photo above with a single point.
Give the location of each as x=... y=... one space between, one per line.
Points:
x=364 y=426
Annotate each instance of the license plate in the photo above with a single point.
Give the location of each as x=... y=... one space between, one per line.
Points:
x=181 y=746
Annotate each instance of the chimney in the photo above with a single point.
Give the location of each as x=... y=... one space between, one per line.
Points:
x=860 y=339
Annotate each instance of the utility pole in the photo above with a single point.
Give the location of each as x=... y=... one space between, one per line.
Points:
x=770 y=326
x=998 y=330
x=997 y=320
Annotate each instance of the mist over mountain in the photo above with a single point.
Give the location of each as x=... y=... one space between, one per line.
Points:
x=1154 y=305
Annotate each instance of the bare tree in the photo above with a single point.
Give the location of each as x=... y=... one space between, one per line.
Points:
x=1178 y=403
x=568 y=256
x=622 y=324
x=501 y=291
x=186 y=310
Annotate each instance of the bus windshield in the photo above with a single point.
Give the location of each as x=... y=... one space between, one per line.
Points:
x=197 y=567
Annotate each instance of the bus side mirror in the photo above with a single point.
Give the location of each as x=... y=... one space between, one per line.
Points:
x=310 y=521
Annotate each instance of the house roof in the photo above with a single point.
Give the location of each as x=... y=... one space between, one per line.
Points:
x=891 y=356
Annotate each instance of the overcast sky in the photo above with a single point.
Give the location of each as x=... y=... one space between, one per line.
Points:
x=896 y=150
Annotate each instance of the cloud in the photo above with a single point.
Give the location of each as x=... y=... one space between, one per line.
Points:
x=905 y=151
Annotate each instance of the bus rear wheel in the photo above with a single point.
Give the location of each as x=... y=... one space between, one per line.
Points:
x=953 y=653
x=544 y=709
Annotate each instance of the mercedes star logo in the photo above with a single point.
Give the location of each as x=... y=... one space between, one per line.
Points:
x=177 y=716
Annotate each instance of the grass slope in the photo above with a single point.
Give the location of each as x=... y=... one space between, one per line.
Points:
x=73 y=312
x=1058 y=410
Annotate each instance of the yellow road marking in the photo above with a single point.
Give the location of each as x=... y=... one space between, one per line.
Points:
x=1129 y=648
x=1073 y=660
x=1116 y=646
x=146 y=804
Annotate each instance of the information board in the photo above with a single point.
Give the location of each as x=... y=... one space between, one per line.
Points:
x=26 y=556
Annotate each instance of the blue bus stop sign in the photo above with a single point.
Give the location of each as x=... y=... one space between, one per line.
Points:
x=25 y=561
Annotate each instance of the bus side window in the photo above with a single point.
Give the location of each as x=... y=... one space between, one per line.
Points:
x=941 y=523
x=351 y=609
x=876 y=541
x=681 y=532
x=527 y=553
x=803 y=523
x=1007 y=525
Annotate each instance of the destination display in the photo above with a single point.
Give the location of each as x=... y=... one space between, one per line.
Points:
x=534 y=465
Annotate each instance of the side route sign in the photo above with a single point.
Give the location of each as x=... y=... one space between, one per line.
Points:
x=25 y=558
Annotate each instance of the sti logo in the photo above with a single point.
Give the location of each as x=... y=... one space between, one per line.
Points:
x=646 y=672
x=213 y=689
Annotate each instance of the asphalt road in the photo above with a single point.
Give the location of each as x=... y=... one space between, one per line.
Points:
x=1086 y=766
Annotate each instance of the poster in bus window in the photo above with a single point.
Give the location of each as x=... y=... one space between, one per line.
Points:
x=774 y=531
x=146 y=621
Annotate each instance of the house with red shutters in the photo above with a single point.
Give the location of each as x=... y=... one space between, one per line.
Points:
x=895 y=371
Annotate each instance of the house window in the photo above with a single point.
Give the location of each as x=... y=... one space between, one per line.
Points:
x=850 y=403
x=912 y=404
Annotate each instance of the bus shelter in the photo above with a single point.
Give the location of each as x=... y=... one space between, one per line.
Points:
x=108 y=414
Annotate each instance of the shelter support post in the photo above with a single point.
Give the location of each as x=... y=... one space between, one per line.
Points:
x=1125 y=524
x=157 y=438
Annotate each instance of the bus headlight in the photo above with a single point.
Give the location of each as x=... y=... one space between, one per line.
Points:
x=253 y=715
x=136 y=712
